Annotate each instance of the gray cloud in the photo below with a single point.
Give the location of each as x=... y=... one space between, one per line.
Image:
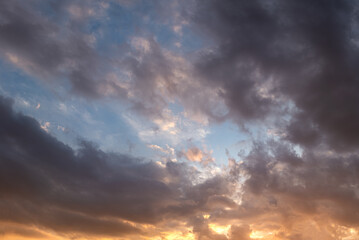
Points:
x=44 y=182
x=262 y=56
x=56 y=48
x=40 y=46
x=286 y=189
x=266 y=54
x=240 y=232
x=22 y=231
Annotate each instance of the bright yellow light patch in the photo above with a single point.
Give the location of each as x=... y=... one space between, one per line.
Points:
x=177 y=235
x=219 y=228
x=349 y=233
x=260 y=235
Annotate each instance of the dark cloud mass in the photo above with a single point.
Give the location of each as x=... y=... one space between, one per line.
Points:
x=268 y=53
x=42 y=180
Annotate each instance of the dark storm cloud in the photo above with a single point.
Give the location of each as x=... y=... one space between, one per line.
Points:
x=266 y=53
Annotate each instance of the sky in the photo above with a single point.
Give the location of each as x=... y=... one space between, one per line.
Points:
x=179 y=119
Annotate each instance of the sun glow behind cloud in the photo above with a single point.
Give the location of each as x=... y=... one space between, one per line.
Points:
x=261 y=235
x=340 y=233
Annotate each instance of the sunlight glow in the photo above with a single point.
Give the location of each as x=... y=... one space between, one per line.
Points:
x=220 y=229
x=260 y=235
x=206 y=216
x=178 y=236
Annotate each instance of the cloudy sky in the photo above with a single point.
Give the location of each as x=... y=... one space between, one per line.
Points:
x=179 y=119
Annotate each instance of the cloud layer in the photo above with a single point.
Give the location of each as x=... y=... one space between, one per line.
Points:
x=266 y=54
x=288 y=67
x=47 y=184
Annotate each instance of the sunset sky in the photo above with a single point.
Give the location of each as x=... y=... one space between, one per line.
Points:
x=179 y=119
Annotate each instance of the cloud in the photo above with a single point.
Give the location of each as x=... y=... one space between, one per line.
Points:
x=8 y=229
x=272 y=192
x=195 y=154
x=266 y=55
x=43 y=48
x=287 y=191
x=261 y=62
x=87 y=191
x=240 y=232
x=289 y=65
x=44 y=182
x=61 y=50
